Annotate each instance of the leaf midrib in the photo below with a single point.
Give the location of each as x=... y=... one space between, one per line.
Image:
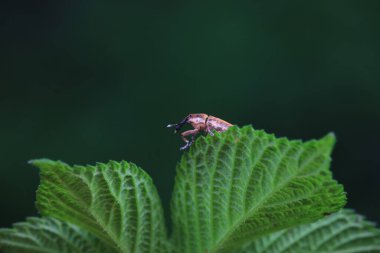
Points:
x=96 y=219
x=221 y=242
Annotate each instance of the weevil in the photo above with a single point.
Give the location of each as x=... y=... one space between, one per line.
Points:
x=201 y=123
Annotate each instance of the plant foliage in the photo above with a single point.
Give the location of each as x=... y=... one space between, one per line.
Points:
x=236 y=186
x=342 y=232
x=242 y=190
x=117 y=202
x=49 y=235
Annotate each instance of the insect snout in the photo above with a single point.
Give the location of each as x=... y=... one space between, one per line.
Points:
x=179 y=125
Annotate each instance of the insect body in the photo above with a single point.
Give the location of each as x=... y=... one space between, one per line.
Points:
x=201 y=123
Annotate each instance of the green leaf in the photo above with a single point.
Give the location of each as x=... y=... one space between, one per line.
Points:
x=343 y=232
x=244 y=183
x=115 y=201
x=48 y=235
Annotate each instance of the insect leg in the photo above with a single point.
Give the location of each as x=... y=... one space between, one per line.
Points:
x=188 y=143
x=208 y=129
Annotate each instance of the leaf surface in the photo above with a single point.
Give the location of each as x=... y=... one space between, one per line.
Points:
x=243 y=183
x=48 y=235
x=342 y=232
x=117 y=202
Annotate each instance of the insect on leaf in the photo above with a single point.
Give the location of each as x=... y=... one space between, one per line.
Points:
x=243 y=183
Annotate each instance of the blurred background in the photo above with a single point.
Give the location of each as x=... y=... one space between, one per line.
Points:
x=88 y=81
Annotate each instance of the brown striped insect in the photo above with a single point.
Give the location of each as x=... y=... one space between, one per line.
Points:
x=201 y=123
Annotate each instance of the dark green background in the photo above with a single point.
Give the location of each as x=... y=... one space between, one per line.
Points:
x=88 y=81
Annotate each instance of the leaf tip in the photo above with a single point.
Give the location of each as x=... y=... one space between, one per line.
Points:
x=328 y=142
x=41 y=162
x=44 y=163
x=331 y=137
